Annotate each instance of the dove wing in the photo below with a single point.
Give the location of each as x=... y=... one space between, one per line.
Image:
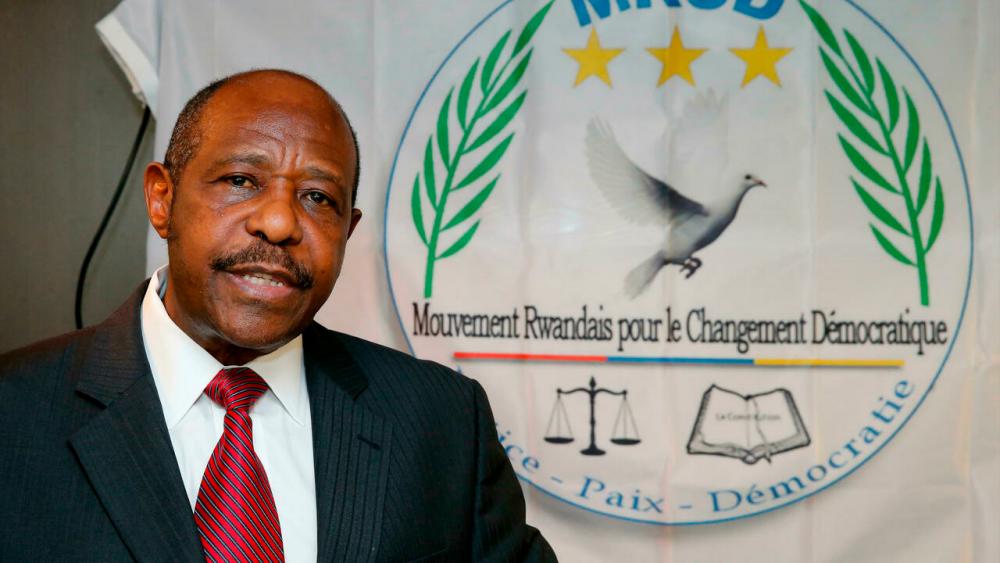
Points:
x=699 y=150
x=630 y=190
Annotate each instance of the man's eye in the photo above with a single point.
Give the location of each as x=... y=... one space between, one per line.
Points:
x=239 y=181
x=318 y=198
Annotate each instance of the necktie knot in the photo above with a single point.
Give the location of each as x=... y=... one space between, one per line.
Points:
x=236 y=388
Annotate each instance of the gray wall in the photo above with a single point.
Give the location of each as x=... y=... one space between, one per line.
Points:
x=67 y=121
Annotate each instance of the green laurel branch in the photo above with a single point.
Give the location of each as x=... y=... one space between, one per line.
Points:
x=869 y=106
x=474 y=121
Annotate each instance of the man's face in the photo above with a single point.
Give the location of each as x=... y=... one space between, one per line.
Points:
x=258 y=223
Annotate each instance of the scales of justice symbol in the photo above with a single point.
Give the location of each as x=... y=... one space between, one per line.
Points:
x=623 y=433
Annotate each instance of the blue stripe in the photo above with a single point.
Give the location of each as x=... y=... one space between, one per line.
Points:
x=678 y=360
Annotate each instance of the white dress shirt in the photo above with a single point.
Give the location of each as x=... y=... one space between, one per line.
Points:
x=282 y=427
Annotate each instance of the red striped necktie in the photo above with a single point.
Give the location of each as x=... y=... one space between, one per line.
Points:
x=235 y=512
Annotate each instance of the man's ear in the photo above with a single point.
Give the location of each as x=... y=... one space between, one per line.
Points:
x=355 y=217
x=159 y=191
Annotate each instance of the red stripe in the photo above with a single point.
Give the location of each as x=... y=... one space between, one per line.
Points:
x=544 y=357
x=237 y=466
x=222 y=537
x=217 y=501
x=229 y=512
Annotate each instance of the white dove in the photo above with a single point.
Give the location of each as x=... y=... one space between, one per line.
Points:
x=647 y=200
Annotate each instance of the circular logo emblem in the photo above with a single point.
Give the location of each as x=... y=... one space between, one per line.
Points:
x=706 y=258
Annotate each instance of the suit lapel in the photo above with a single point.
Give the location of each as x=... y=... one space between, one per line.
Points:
x=125 y=450
x=351 y=447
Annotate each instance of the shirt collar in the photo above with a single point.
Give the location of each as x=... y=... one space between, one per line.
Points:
x=182 y=369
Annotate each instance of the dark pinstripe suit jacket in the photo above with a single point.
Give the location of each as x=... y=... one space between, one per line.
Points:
x=408 y=466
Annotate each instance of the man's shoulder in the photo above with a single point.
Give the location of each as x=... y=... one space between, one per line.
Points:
x=38 y=380
x=387 y=367
x=45 y=357
x=57 y=356
x=366 y=349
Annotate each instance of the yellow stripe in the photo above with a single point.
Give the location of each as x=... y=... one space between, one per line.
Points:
x=831 y=363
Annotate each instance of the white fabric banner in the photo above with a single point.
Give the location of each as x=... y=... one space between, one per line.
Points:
x=726 y=263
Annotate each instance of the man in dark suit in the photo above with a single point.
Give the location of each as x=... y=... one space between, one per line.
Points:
x=107 y=455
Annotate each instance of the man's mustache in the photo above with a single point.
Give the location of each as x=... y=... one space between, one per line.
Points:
x=263 y=253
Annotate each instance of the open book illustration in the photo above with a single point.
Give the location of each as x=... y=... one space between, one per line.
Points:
x=747 y=427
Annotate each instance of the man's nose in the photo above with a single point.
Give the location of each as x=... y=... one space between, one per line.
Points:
x=275 y=218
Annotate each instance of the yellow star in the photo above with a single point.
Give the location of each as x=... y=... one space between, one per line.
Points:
x=761 y=59
x=593 y=59
x=676 y=59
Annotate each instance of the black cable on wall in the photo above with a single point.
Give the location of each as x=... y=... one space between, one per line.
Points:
x=81 y=281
